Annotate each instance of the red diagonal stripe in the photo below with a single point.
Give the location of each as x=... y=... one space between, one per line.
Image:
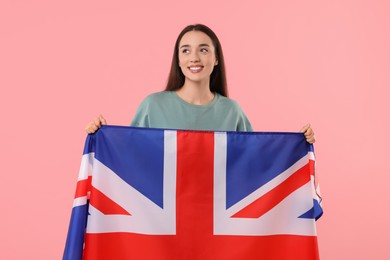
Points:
x=82 y=188
x=312 y=165
x=104 y=204
x=272 y=198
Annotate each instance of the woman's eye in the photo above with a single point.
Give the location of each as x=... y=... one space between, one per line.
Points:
x=204 y=50
x=185 y=51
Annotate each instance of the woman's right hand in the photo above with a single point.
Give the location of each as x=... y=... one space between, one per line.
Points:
x=95 y=124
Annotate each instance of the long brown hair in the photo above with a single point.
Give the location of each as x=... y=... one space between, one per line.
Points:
x=218 y=76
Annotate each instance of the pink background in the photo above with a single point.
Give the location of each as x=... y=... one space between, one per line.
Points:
x=288 y=63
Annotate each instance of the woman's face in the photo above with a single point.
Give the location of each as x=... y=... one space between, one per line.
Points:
x=197 y=56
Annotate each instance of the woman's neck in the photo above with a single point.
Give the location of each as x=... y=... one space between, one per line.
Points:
x=196 y=93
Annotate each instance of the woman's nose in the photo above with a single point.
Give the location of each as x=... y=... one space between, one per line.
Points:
x=194 y=57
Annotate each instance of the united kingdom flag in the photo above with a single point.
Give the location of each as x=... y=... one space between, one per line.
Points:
x=171 y=194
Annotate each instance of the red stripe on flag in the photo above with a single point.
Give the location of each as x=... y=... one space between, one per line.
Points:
x=312 y=165
x=195 y=167
x=83 y=186
x=148 y=247
x=104 y=204
x=272 y=198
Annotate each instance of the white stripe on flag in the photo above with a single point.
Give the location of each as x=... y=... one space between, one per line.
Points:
x=80 y=201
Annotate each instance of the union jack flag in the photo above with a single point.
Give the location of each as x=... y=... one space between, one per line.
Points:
x=161 y=194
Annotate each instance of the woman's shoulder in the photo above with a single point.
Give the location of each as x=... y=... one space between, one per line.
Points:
x=155 y=98
x=158 y=96
x=228 y=102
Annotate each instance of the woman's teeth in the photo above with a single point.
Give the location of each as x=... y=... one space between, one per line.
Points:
x=195 y=69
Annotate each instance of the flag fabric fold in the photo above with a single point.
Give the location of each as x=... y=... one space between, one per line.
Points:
x=159 y=194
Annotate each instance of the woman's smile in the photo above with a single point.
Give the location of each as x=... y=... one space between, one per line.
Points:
x=195 y=68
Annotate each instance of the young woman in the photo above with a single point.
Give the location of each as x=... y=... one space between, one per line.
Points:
x=196 y=93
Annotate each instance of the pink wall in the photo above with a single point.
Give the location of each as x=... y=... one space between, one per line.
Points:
x=288 y=62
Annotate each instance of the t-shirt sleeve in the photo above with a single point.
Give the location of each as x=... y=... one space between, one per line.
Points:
x=243 y=123
x=141 y=117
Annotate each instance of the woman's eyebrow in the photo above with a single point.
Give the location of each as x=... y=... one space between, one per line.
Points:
x=200 y=45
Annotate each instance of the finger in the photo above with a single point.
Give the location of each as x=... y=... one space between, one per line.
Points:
x=102 y=120
x=94 y=128
x=88 y=127
x=89 y=130
x=97 y=122
x=309 y=132
x=311 y=140
x=304 y=129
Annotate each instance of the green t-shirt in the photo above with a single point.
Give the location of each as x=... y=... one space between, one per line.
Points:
x=167 y=110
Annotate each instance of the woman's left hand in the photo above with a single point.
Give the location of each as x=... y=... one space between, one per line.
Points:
x=309 y=133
